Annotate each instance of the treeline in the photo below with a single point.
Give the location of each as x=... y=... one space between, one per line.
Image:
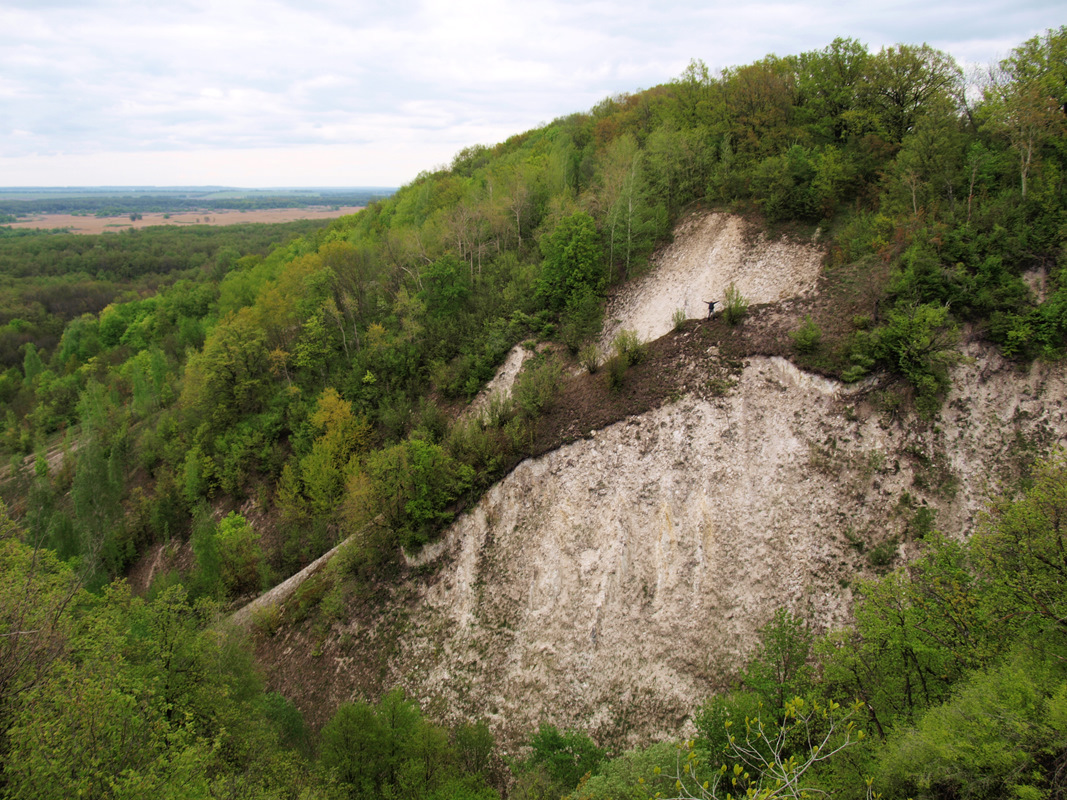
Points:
x=136 y=252
x=113 y=204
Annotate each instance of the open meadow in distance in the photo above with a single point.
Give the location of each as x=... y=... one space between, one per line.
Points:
x=90 y=224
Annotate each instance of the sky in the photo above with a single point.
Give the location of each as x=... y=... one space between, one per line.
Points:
x=276 y=93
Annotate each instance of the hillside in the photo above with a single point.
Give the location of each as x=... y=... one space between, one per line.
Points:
x=578 y=513
x=614 y=582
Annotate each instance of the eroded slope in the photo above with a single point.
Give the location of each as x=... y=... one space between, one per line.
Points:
x=613 y=583
x=710 y=251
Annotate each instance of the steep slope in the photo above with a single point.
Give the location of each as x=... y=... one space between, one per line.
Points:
x=615 y=582
x=710 y=251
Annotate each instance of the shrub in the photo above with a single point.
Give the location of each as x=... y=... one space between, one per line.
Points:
x=917 y=342
x=678 y=318
x=616 y=369
x=734 y=306
x=589 y=357
x=536 y=387
x=883 y=554
x=628 y=347
x=267 y=619
x=806 y=338
x=497 y=411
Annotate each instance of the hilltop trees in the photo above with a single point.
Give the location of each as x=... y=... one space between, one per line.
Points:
x=1028 y=99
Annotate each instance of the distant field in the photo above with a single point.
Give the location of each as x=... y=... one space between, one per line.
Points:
x=92 y=224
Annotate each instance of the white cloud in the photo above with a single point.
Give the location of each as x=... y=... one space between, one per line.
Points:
x=208 y=87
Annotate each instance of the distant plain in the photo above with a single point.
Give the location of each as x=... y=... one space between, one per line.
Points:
x=90 y=224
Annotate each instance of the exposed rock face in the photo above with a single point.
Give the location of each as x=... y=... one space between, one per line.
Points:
x=608 y=584
x=709 y=252
x=611 y=584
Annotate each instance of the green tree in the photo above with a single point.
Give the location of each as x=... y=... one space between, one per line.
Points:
x=353 y=748
x=151 y=702
x=391 y=750
x=97 y=488
x=780 y=669
x=566 y=756
x=32 y=365
x=37 y=593
x=998 y=736
x=770 y=758
x=412 y=485
x=904 y=80
x=240 y=556
x=229 y=378
x=831 y=85
x=573 y=260
x=918 y=342
x=341 y=435
x=928 y=164
x=1020 y=546
x=917 y=633
x=1027 y=102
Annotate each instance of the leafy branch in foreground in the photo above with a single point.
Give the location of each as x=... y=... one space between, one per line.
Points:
x=770 y=760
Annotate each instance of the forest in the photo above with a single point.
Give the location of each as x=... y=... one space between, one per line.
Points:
x=155 y=381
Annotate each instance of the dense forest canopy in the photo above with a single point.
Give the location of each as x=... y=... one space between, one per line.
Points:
x=150 y=379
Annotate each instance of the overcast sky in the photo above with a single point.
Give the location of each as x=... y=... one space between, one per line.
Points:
x=259 y=93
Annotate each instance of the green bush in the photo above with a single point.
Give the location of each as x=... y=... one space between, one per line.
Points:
x=589 y=357
x=267 y=619
x=629 y=347
x=566 y=756
x=616 y=367
x=627 y=350
x=806 y=338
x=735 y=306
x=240 y=556
x=536 y=386
x=917 y=342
